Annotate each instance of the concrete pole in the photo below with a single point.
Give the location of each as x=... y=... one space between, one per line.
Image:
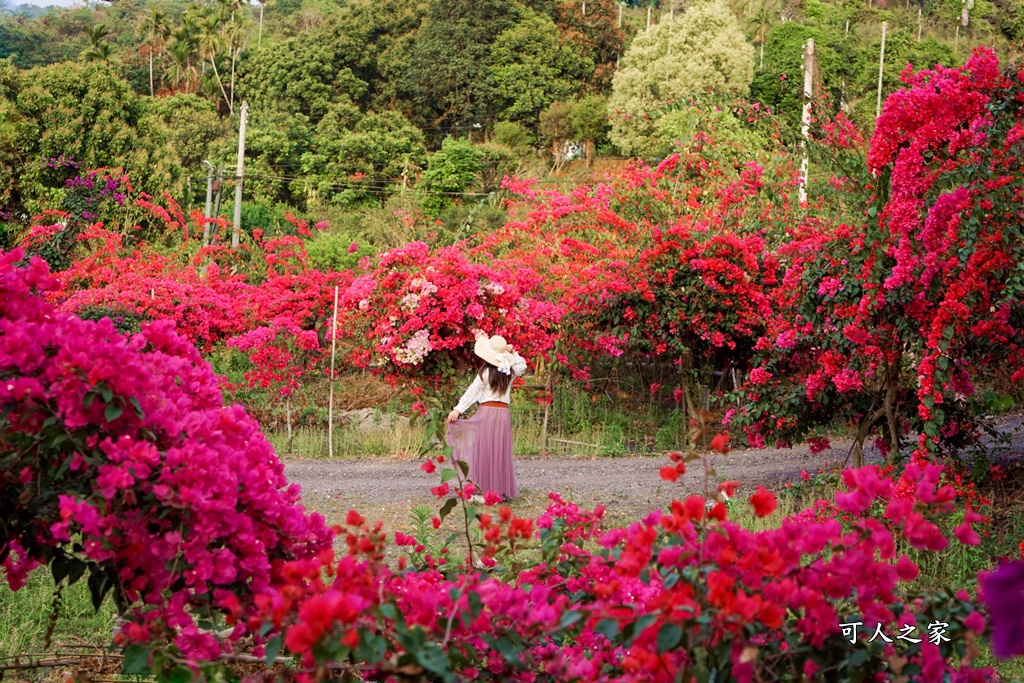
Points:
x=239 y=171
x=209 y=202
x=805 y=118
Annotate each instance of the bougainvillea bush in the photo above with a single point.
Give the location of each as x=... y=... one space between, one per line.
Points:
x=417 y=313
x=121 y=463
x=684 y=594
x=888 y=322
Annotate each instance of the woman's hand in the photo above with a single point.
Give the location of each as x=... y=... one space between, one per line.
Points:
x=452 y=417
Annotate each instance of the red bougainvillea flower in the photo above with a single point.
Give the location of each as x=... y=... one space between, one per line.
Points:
x=763 y=502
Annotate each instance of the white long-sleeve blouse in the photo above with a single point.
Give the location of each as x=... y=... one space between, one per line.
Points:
x=481 y=392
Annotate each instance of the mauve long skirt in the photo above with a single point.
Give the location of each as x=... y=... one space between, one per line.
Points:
x=484 y=442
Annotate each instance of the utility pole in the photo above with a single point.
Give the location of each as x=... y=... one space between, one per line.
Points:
x=239 y=170
x=881 y=64
x=209 y=201
x=620 y=15
x=805 y=119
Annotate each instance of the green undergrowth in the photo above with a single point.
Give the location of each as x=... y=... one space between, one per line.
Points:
x=25 y=617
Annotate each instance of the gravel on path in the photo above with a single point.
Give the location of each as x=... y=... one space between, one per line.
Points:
x=389 y=480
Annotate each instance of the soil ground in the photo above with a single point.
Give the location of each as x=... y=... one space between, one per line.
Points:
x=389 y=488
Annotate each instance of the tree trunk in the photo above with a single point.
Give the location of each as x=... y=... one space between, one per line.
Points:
x=151 y=92
x=234 y=53
x=213 y=61
x=259 y=41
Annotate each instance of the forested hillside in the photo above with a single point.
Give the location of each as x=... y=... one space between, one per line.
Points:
x=391 y=105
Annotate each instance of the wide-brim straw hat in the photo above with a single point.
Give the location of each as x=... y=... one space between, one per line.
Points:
x=496 y=351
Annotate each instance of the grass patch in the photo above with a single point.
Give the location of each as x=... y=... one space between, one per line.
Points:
x=25 y=617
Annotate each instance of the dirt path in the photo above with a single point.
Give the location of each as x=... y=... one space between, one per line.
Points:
x=390 y=488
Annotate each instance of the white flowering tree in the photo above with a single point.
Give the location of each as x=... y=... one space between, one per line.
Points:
x=698 y=51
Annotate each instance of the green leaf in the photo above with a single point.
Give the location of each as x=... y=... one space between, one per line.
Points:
x=433 y=659
x=137 y=407
x=609 y=628
x=90 y=396
x=633 y=630
x=464 y=466
x=872 y=211
x=475 y=604
x=99 y=586
x=113 y=412
x=136 y=660
x=272 y=649
x=448 y=506
x=570 y=618
x=447 y=475
x=669 y=636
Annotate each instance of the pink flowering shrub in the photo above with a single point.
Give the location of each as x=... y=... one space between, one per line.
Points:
x=129 y=468
x=677 y=596
x=417 y=314
x=886 y=321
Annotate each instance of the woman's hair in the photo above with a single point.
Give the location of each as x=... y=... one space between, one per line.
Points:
x=498 y=381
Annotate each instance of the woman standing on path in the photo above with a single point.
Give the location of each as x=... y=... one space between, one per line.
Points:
x=484 y=441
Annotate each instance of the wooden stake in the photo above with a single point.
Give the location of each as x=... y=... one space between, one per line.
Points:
x=547 y=412
x=330 y=400
x=648 y=17
x=620 y=15
x=881 y=65
x=288 y=417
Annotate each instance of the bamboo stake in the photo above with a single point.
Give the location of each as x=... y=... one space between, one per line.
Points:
x=330 y=401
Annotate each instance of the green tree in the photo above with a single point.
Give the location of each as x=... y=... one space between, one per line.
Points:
x=699 y=50
x=156 y=29
x=531 y=68
x=189 y=125
x=589 y=119
x=355 y=158
x=451 y=171
x=274 y=144
x=304 y=75
x=98 y=48
x=450 y=71
x=86 y=112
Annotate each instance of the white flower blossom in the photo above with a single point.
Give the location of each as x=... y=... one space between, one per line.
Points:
x=415 y=350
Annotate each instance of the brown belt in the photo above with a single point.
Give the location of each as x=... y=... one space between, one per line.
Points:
x=494 y=404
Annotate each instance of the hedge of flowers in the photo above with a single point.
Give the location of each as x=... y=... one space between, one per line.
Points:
x=122 y=464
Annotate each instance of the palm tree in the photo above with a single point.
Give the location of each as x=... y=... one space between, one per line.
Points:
x=762 y=22
x=157 y=29
x=262 y=4
x=182 y=71
x=236 y=32
x=98 y=49
x=211 y=42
